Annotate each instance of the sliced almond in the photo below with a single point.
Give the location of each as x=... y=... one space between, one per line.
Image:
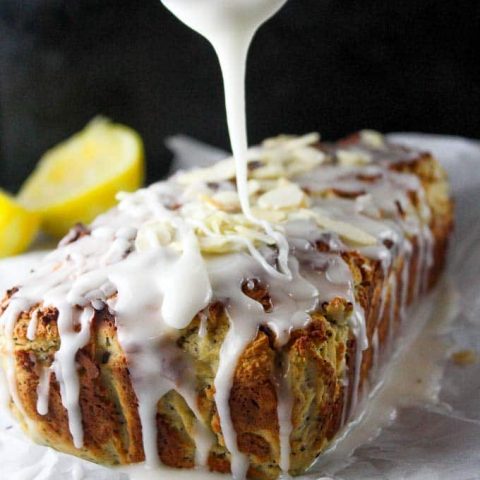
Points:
x=218 y=223
x=221 y=171
x=345 y=230
x=272 y=216
x=254 y=235
x=277 y=141
x=266 y=185
x=271 y=170
x=352 y=158
x=303 y=140
x=153 y=235
x=301 y=214
x=291 y=142
x=219 y=244
x=196 y=211
x=254 y=186
x=227 y=200
x=372 y=138
x=285 y=197
x=305 y=159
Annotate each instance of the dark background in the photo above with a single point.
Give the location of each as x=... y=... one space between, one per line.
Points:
x=329 y=65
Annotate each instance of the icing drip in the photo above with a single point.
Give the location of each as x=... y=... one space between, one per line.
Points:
x=230 y=352
x=421 y=246
x=284 y=413
x=64 y=365
x=32 y=326
x=154 y=363
x=244 y=315
x=204 y=440
x=157 y=369
x=430 y=244
x=43 y=390
x=407 y=255
x=359 y=330
x=376 y=351
x=345 y=384
x=393 y=305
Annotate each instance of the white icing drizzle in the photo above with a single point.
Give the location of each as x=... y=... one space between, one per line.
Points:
x=32 y=326
x=43 y=390
x=421 y=246
x=230 y=352
x=284 y=408
x=407 y=255
x=202 y=436
x=345 y=384
x=391 y=315
x=150 y=384
x=375 y=351
x=430 y=244
x=359 y=331
x=64 y=365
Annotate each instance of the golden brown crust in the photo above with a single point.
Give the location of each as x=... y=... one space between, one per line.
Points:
x=316 y=356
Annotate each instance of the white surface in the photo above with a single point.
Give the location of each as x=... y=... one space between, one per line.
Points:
x=431 y=433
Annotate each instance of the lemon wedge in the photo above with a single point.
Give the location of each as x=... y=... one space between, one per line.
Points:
x=78 y=179
x=18 y=226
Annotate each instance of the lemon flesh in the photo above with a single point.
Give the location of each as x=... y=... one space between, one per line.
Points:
x=79 y=178
x=18 y=226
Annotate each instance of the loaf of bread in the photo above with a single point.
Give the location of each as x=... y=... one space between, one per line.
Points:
x=174 y=329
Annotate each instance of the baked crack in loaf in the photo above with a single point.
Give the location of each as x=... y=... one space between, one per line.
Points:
x=166 y=332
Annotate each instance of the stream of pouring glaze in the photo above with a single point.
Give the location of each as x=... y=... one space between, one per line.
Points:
x=167 y=252
x=230 y=25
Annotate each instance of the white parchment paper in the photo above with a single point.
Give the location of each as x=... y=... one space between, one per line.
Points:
x=423 y=423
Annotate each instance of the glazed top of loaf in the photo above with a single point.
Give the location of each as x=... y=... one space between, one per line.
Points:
x=168 y=251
